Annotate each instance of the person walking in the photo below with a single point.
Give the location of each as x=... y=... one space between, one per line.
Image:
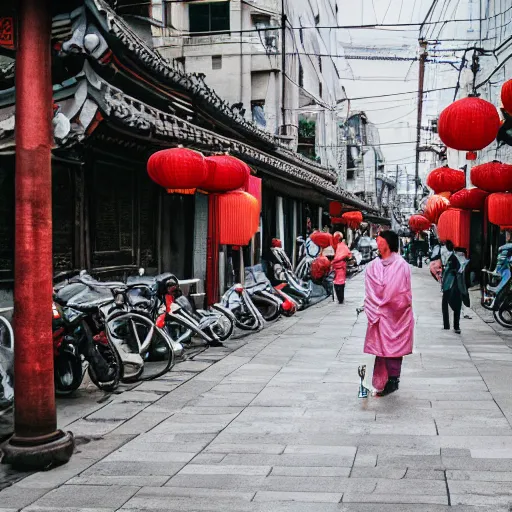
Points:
x=388 y=306
x=339 y=266
x=454 y=287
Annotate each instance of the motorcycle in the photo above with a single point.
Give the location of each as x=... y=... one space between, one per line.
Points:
x=497 y=288
x=79 y=335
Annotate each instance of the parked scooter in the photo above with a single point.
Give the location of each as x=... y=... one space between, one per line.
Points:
x=247 y=316
x=270 y=302
x=497 y=287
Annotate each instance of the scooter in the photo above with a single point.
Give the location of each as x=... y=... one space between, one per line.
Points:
x=247 y=316
x=497 y=288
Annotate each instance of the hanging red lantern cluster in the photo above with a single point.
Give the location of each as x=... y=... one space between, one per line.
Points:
x=499 y=209
x=335 y=209
x=492 y=177
x=178 y=168
x=419 y=223
x=323 y=240
x=435 y=206
x=469 y=124
x=455 y=225
x=353 y=219
x=506 y=96
x=320 y=267
x=183 y=171
x=445 y=179
x=239 y=214
x=469 y=199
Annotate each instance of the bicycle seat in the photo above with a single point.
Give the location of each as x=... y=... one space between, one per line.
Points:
x=63 y=294
x=91 y=298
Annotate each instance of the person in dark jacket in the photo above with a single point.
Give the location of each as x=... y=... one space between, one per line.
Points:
x=454 y=288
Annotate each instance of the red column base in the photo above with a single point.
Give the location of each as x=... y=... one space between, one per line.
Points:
x=35 y=453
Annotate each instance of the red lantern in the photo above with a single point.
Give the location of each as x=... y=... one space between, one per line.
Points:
x=177 y=168
x=469 y=199
x=469 y=124
x=320 y=267
x=471 y=155
x=455 y=225
x=445 y=179
x=353 y=219
x=338 y=220
x=321 y=239
x=506 y=96
x=239 y=214
x=492 y=177
x=500 y=209
x=335 y=208
x=419 y=223
x=435 y=206
x=225 y=173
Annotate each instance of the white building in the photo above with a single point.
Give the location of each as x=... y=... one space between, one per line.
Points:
x=237 y=44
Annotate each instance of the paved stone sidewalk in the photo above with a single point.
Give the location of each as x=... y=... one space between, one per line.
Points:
x=277 y=426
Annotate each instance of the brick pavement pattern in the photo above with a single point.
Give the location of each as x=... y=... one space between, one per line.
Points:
x=277 y=426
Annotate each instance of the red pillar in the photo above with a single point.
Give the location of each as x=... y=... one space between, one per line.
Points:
x=36 y=442
x=212 y=251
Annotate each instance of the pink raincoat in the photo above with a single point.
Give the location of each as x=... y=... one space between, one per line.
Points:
x=339 y=263
x=388 y=306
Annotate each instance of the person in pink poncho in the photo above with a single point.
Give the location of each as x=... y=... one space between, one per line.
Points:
x=388 y=306
x=339 y=266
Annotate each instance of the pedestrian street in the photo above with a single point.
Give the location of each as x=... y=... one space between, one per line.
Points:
x=277 y=425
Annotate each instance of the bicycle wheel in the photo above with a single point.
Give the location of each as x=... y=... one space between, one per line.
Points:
x=108 y=353
x=504 y=315
x=146 y=350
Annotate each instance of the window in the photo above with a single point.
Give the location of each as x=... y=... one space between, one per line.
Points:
x=208 y=17
x=317 y=19
x=320 y=64
x=321 y=89
x=216 y=61
x=301 y=76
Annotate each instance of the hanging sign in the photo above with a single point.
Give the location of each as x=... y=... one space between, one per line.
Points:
x=7 y=32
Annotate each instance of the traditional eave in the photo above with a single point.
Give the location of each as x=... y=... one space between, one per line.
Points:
x=90 y=99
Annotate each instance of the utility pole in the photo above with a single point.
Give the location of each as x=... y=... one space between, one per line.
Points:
x=283 y=64
x=36 y=443
x=421 y=83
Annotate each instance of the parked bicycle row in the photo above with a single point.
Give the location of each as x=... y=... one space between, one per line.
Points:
x=123 y=332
